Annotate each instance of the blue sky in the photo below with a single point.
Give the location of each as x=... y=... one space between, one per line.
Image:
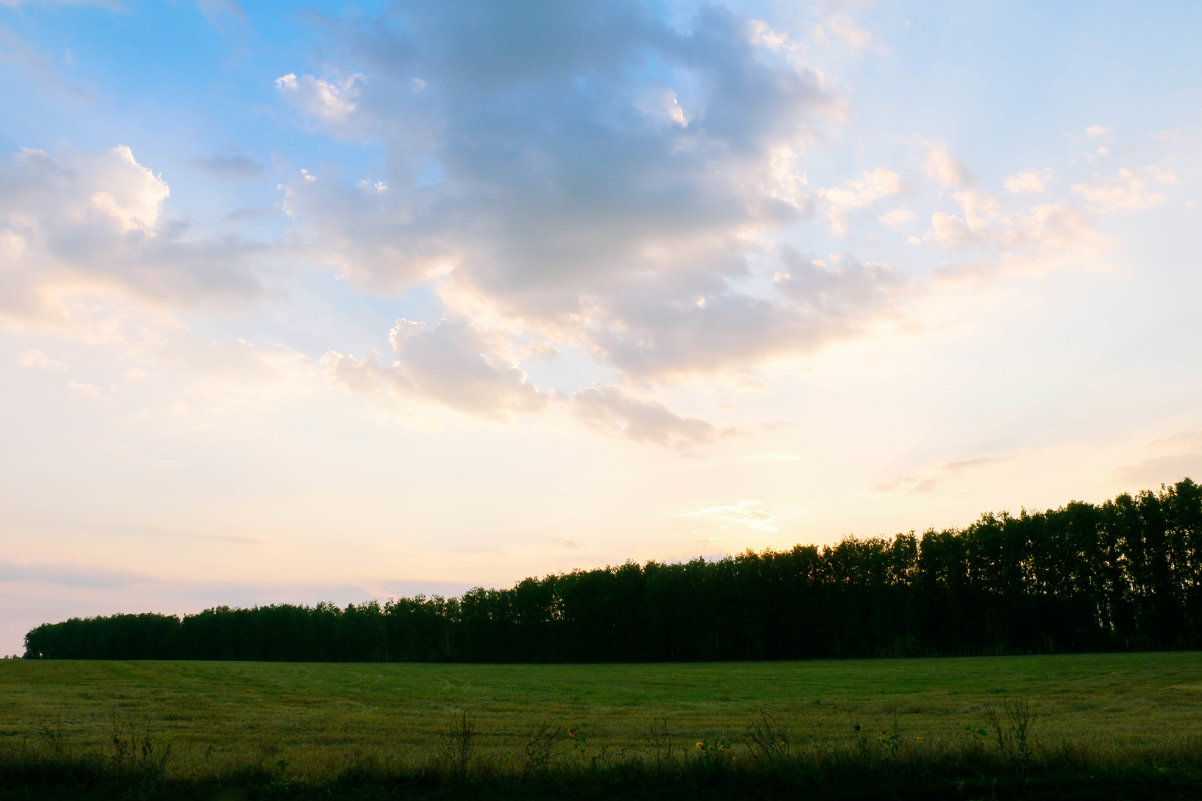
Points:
x=331 y=302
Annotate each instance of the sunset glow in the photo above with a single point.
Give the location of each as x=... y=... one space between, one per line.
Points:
x=351 y=301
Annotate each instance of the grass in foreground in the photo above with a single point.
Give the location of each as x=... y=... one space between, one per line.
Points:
x=949 y=727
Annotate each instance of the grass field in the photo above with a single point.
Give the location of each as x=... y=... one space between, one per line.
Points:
x=309 y=721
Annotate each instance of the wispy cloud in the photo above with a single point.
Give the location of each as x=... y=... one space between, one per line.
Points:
x=750 y=514
x=928 y=481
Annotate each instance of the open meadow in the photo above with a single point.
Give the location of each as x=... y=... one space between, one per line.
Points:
x=310 y=722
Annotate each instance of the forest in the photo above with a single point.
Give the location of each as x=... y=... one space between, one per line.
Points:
x=1123 y=575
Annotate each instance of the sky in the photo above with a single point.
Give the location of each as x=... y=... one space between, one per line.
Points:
x=331 y=301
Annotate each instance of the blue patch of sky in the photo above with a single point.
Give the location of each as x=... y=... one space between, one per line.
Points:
x=570 y=371
x=323 y=312
x=171 y=86
x=1001 y=79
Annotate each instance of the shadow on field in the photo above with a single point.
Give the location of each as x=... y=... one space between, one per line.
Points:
x=1001 y=760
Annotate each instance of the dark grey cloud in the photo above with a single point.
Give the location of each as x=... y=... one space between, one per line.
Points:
x=713 y=327
x=229 y=168
x=554 y=160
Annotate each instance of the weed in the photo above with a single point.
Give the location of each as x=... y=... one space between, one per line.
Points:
x=539 y=751
x=459 y=745
x=133 y=746
x=659 y=743
x=891 y=738
x=1011 y=728
x=54 y=738
x=768 y=740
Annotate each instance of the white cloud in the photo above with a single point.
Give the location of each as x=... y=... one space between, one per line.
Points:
x=455 y=364
x=84 y=389
x=898 y=218
x=84 y=232
x=331 y=102
x=751 y=514
x=857 y=194
x=1126 y=190
x=1034 y=239
x=840 y=29
x=944 y=168
x=661 y=102
x=1098 y=131
x=1028 y=181
x=37 y=360
x=764 y=35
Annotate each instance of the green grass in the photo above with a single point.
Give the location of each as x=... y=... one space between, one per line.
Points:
x=307 y=723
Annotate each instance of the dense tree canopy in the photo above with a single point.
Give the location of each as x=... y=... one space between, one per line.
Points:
x=1123 y=575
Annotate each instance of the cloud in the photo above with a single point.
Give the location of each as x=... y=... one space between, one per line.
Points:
x=841 y=29
x=462 y=366
x=917 y=485
x=776 y=456
x=1033 y=239
x=619 y=155
x=1028 y=181
x=69 y=574
x=17 y=51
x=455 y=364
x=898 y=218
x=83 y=230
x=713 y=328
x=857 y=194
x=751 y=514
x=229 y=168
x=37 y=360
x=1126 y=190
x=1098 y=131
x=944 y=168
x=85 y=390
x=1165 y=461
x=611 y=411
x=331 y=102
x=843 y=294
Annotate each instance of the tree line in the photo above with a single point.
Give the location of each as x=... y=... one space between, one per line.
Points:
x=1126 y=574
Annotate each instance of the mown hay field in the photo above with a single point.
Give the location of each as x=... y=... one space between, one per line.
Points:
x=311 y=720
